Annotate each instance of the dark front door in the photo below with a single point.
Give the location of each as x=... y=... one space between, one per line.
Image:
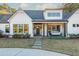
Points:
x=37 y=31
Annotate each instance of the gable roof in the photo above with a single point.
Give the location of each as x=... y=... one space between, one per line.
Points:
x=37 y=16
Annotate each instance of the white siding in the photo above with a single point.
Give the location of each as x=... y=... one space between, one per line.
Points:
x=74 y=19
x=20 y=17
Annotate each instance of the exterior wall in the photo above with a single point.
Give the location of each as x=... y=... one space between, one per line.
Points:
x=52 y=18
x=2 y=27
x=74 y=19
x=20 y=17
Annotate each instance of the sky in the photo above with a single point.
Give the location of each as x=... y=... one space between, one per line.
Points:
x=35 y=6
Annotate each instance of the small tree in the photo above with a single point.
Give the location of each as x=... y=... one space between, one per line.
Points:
x=69 y=7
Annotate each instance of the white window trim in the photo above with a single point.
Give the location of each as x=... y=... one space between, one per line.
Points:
x=18 y=29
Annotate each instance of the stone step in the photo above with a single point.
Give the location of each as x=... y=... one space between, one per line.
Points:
x=37 y=44
x=36 y=47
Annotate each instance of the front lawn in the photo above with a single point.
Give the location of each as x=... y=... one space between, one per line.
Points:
x=16 y=43
x=70 y=46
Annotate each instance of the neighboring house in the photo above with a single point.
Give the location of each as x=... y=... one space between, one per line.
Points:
x=40 y=22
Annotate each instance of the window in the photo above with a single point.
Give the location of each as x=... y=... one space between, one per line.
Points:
x=77 y=25
x=56 y=28
x=25 y=28
x=20 y=28
x=74 y=25
x=53 y=14
x=7 y=28
x=15 y=28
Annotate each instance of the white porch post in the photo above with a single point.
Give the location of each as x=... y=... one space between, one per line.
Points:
x=11 y=29
x=62 y=30
x=31 y=30
x=45 y=29
x=66 y=28
x=42 y=29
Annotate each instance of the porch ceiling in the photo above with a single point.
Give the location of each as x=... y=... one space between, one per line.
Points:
x=50 y=21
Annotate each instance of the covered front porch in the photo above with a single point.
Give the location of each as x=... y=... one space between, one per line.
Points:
x=50 y=29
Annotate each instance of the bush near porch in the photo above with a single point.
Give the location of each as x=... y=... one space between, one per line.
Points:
x=20 y=36
x=72 y=36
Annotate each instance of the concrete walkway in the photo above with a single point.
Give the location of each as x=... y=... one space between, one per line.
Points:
x=27 y=52
x=38 y=42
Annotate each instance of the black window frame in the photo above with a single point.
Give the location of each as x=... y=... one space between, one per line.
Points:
x=77 y=25
x=7 y=28
x=74 y=25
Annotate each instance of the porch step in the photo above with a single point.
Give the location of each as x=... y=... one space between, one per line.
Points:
x=36 y=47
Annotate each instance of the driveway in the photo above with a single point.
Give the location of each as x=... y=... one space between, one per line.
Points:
x=27 y=52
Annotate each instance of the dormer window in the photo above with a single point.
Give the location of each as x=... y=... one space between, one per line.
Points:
x=54 y=14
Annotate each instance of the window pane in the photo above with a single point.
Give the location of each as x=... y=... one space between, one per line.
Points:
x=20 y=28
x=53 y=28
x=54 y=14
x=58 y=28
x=77 y=25
x=73 y=25
x=25 y=28
x=7 y=28
x=15 y=28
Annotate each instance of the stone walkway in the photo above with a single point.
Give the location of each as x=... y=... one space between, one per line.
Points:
x=27 y=52
x=38 y=42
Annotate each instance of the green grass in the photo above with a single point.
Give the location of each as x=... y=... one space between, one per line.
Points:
x=70 y=46
x=16 y=43
x=56 y=37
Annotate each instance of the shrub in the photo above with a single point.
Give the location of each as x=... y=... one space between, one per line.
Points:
x=18 y=36
x=6 y=36
x=1 y=33
x=27 y=35
x=21 y=36
x=73 y=35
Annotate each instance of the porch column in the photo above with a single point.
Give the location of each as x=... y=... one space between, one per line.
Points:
x=66 y=33
x=31 y=29
x=42 y=29
x=62 y=30
x=11 y=29
x=45 y=29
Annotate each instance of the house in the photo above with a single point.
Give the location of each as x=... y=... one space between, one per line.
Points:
x=40 y=22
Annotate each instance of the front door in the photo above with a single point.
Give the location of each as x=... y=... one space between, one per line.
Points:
x=37 y=31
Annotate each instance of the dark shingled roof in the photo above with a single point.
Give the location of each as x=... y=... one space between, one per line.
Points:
x=4 y=18
x=36 y=15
